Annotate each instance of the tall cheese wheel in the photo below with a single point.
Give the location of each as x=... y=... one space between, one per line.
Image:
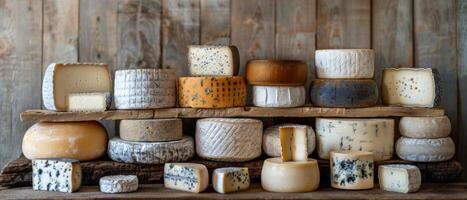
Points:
x=352 y=170
x=145 y=88
x=345 y=63
x=425 y=150
x=295 y=176
x=228 y=139
x=425 y=127
x=151 y=130
x=212 y=92
x=344 y=93
x=272 y=143
x=279 y=96
x=276 y=72
x=75 y=140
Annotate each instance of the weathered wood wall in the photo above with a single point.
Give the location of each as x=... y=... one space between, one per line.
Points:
x=155 y=33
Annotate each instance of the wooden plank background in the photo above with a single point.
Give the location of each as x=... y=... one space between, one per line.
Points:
x=155 y=33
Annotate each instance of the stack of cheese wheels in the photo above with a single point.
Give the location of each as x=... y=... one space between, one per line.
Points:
x=425 y=139
x=352 y=170
x=345 y=79
x=277 y=83
x=214 y=82
x=151 y=141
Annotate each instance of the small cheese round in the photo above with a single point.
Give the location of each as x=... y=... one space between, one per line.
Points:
x=352 y=170
x=118 y=184
x=399 y=178
x=294 y=176
x=425 y=150
x=345 y=63
x=151 y=130
x=279 y=96
x=425 y=127
x=272 y=144
x=276 y=72
x=82 y=141
x=344 y=93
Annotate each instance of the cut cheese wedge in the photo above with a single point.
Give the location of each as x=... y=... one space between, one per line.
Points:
x=189 y=177
x=230 y=179
x=293 y=143
x=89 y=102
x=59 y=175
x=399 y=178
x=213 y=60
x=272 y=143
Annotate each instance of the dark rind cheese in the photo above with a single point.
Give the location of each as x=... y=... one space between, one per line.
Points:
x=344 y=93
x=276 y=72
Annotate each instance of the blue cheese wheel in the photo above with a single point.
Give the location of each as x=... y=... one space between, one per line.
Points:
x=344 y=93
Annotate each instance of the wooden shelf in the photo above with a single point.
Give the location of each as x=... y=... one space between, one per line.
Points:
x=383 y=111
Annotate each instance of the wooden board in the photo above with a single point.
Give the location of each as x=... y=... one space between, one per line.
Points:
x=462 y=81
x=215 y=18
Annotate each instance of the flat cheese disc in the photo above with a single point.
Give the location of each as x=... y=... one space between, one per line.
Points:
x=425 y=127
x=279 y=96
x=425 y=150
x=118 y=184
x=276 y=72
x=345 y=63
x=151 y=130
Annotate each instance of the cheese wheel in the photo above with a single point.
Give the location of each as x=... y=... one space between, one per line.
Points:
x=228 y=139
x=213 y=60
x=145 y=88
x=425 y=127
x=212 y=92
x=399 y=178
x=425 y=150
x=118 y=184
x=82 y=141
x=344 y=93
x=276 y=72
x=279 y=96
x=151 y=130
x=272 y=144
x=345 y=63
x=295 y=176
x=352 y=170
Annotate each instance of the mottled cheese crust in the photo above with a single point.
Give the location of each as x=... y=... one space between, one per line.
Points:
x=189 y=177
x=352 y=170
x=230 y=179
x=151 y=130
x=213 y=60
x=59 y=175
x=345 y=63
x=425 y=150
x=425 y=127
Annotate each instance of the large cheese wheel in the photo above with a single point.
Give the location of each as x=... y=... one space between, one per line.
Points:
x=276 y=72
x=425 y=150
x=272 y=143
x=228 y=139
x=75 y=140
x=151 y=130
x=212 y=92
x=352 y=170
x=344 y=93
x=279 y=96
x=294 y=176
x=425 y=127
x=345 y=63
x=213 y=60
x=145 y=88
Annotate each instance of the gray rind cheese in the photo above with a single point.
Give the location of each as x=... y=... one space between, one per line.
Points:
x=399 y=178
x=345 y=63
x=344 y=93
x=213 y=60
x=118 y=184
x=151 y=130
x=60 y=175
x=151 y=152
x=272 y=144
x=145 y=88
x=279 y=96
x=425 y=127
x=228 y=139
x=425 y=150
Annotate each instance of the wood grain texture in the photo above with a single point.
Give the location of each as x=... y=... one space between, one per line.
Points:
x=20 y=70
x=344 y=24
x=462 y=80
x=215 y=21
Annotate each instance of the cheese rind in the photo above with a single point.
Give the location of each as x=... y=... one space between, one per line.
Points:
x=293 y=143
x=352 y=170
x=272 y=144
x=399 y=178
x=276 y=72
x=228 y=139
x=151 y=130
x=213 y=60
x=425 y=150
x=118 y=184
x=89 y=102
x=82 y=141
x=230 y=179
x=345 y=63
x=344 y=93
x=279 y=96
x=212 y=92
x=60 y=175
x=151 y=152
x=373 y=135
x=295 y=176
x=425 y=127
x=189 y=177
x=145 y=88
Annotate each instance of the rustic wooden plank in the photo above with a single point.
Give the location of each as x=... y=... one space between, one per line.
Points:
x=344 y=24
x=20 y=70
x=462 y=81
x=215 y=22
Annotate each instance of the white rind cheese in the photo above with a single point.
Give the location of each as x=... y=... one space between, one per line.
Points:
x=230 y=179
x=279 y=96
x=213 y=60
x=118 y=184
x=228 y=139
x=151 y=152
x=352 y=170
x=399 y=178
x=425 y=150
x=189 y=177
x=60 y=175
x=145 y=88
x=425 y=127
x=345 y=63
x=293 y=143
x=295 y=176
x=89 y=102
x=373 y=135
x=151 y=130
x=272 y=144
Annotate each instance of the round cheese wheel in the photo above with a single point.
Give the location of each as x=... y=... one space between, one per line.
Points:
x=294 y=176
x=279 y=96
x=425 y=150
x=425 y=127
x=151 y=130
x=345 y=63
x=276 y=72
x=352 y=170
x=344 y=93
x=118 y=184
x=75 y=140
x=272 y=143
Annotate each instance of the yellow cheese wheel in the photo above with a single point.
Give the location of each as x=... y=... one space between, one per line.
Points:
x=212 y=92
x=276 y=72
x=75 y=140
